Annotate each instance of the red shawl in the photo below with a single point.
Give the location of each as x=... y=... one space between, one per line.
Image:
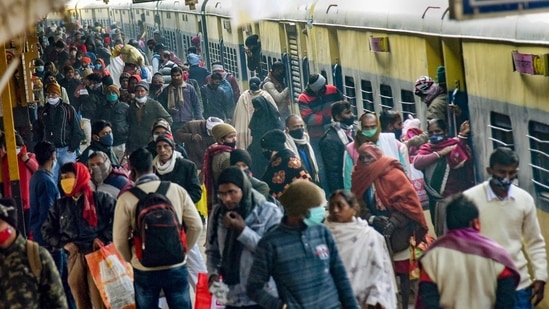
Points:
x=82 y=185
x=458 y=155
x=207 y=167
x=393 y=188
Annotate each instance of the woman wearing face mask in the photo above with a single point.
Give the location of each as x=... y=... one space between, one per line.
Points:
x=363 y=251
x=74 y=224
x=446 y=163
x=27 y=164
x=391 y=205
x=101 y=68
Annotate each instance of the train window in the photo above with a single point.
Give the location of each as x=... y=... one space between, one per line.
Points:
x=502 y=132
x=386 y=95
x=263 y=66
x=539 y=152
x=367 y=95
x=230 y=61
x=215 y=53
x=408 y=103
x=350 y=93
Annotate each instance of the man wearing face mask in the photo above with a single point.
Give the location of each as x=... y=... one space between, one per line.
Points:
x=58 y=123
x=39 y=68
x=508 y=216
x=216 y=103
x=102 y=140
x=284 y=165
x=217 y=158
x=332 y=144
x=245 y=109
x=116 y=112
x=235 y=227
x=297 y=140
x=23 y=289
x=300 y=254
x=274 y=84
x=107 y=178
x=89 y=103
x=142 y=114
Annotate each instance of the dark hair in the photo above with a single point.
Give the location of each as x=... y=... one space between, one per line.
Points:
x=277 y=65
x=216 y=76
x=388 y=117
x=338 y=108
x=99 y=154
x=67 y=168
x=43 y=151
x=192 y=50
x=99 y=125
x=141 y=160
x=503 y=156
x=96 y=77
x=439 y=122
x=107 y=80
x=68 y=68
x=166 y=54
x=252 y=40
x=348 y=196
x=460 y=212
x=176 y=70
x=290 y=117
x=48 y=74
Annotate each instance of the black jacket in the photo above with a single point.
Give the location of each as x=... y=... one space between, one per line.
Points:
x=184 y=174
x=65 y=223
x=59 y=125
x=117 y=114
x=332 y=150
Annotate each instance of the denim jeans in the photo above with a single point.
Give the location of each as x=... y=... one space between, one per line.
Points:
x=63 y=156
x=522 y=299
x=60 y=259
x=173 y=281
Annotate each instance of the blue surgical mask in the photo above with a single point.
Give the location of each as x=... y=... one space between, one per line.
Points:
x=106 y=139
x=369 y=133
x=40 y=69
x=316 y=216
x=112 y=97
x=98 y=66
x=436 y=138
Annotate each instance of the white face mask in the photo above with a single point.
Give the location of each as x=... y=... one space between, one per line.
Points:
x=53 y=101
x=155 y=136
x=142 y=99
x=18 y=150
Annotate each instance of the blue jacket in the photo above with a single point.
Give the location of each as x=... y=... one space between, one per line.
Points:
x=307 y=269
x=43 y=194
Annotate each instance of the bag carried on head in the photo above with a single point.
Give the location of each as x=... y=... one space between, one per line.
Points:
x=159 y=238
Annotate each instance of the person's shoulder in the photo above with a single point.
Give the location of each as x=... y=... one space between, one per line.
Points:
x=185 y=162
x=102 y=196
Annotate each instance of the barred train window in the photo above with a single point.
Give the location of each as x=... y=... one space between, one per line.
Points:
x=386 y=96
x=350 y=93
x=214 y=52
x=408 y=103
x=367 y=95
x=538 y=134
x=502 y=132
x=230 y=63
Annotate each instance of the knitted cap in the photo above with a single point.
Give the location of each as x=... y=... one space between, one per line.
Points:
x=53 y=88
x=167 y=138
x=86 y=60
x=86 y=72
x=232 y=175
x=162 y=123
x=143 y=84
x=222 y=130
x=273 y=140
x=240 y=155
x=8 y=212
x=300 y=196
x=114 y=89
x=316 y=85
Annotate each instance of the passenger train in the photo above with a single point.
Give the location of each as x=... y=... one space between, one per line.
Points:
x=373 y=51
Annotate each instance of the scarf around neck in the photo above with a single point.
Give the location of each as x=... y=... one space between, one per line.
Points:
x=175 y=95
x=166 y=168
x=291 y=143
x=82 y=185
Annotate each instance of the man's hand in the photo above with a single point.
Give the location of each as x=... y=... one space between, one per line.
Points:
x=71 y=248
x=212 y=279
x=197 y=137
x=537 y=292
x=234 y=221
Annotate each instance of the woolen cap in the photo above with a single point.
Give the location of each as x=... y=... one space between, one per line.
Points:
x=114 y=89
x=162 y=123
x=143 y=84
x=300 y=196
x=221 y=130
x=240 y=155
x=273 y=140
x=167 y=138
x=232 y=175
x=54 y=88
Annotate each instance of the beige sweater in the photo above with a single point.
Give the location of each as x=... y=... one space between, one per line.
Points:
x=124 y=220
x=513 y=223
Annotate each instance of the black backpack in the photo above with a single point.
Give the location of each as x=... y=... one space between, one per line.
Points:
x=159 y=238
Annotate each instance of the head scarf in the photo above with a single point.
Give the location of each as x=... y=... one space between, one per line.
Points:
x=82 y=185
x=265 y=117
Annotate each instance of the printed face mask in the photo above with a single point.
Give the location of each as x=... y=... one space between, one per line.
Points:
x=436 y=138
x=502 y=182
x=316 y=216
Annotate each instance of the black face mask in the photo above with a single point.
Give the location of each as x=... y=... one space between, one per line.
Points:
x=297 y=133
x=268 y=154
x=254 y=87
x=348 y=121
x=232 y=145
x=398 y=134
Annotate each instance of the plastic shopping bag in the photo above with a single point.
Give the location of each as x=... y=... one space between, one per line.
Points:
x=202 y=205
x=419 y=186
x=113 y=277
x=204 y=299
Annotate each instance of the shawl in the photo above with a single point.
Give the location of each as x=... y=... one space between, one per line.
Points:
x=394 y=190
x=167 y=167
x=366 y=258
x=207 y=167
x=264 y=118
x=82 y=185
x=175 y=95
x=291 y=143
x=432 y=93
x=343 y=137
x=243 y=114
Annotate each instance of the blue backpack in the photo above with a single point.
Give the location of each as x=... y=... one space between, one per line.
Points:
x=227 y=89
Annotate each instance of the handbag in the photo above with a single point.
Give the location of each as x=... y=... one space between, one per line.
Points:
x=113 y=276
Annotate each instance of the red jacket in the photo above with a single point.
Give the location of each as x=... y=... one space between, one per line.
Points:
x=316 y=111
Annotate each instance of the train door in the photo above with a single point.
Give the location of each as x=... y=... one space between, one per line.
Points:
x=294 y=66
x=455 y=83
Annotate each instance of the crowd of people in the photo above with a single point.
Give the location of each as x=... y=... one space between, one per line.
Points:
x=307 y=209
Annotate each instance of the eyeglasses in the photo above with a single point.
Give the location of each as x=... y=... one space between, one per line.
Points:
x=230 y=193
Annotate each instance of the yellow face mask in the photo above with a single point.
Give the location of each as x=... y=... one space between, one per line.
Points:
x=67 y=184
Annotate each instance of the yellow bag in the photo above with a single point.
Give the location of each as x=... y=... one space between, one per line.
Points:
x=202 y=205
